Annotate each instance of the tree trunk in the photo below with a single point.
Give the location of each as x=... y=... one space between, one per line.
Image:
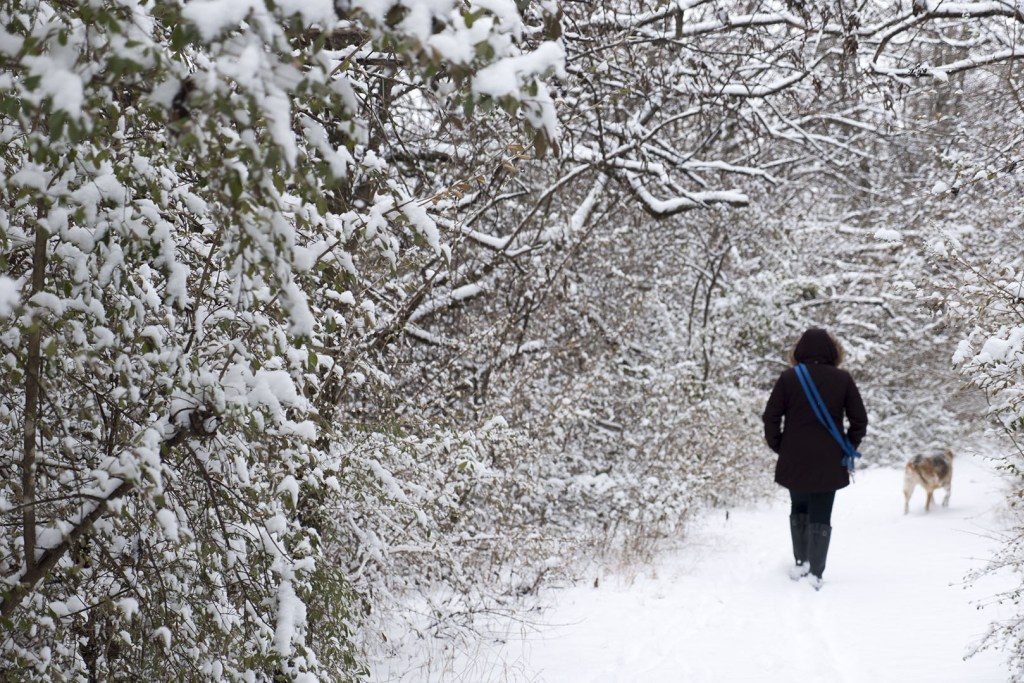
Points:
x=32 y=363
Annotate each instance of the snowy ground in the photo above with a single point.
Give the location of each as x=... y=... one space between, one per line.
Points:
x=720 y=608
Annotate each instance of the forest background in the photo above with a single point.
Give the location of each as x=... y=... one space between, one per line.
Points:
x=321 y=316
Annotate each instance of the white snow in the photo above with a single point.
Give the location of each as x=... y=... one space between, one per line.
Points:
x=505 y=10
x=290 y=486
x=62 y=85
x=994 y=349
x=691 y=200
x=721 y=607
x=491 y=241
x=128 y=606
x=8 y=296
x=503 y=77
x=459 y=46
x=467 y=291
x=169 y=523
x=301 y=320
x=311 y=11
x=963 y=352
x=277 y=108
x=888 y=235
x=997 y=348
x=31 y=175
x=291 y=616
x=164 y=635
x=212 y=17
x=10 y=44
x=423 y=224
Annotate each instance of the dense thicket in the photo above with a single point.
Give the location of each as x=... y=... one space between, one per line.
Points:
x=314 y=311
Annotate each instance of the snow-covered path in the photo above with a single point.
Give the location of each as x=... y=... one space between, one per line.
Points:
x=894 y=606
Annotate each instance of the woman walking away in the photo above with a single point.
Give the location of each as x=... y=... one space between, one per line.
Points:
x=803 y=423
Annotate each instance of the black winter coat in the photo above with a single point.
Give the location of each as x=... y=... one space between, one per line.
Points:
x=810 y=460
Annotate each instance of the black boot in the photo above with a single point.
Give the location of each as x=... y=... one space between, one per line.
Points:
x=798 y=531
x=817 y=550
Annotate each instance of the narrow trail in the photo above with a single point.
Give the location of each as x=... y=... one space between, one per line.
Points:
x=721 y=608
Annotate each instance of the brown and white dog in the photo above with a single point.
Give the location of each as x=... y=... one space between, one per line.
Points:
x=930 y=472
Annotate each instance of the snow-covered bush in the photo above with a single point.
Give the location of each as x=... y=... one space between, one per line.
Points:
x=195 y=214
x=983 y=292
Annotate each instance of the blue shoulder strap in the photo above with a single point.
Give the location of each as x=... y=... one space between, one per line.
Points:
x=850 y=453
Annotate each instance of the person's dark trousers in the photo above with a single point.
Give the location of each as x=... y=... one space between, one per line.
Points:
x=817 y=506
x=817 y=509
x=798 y=532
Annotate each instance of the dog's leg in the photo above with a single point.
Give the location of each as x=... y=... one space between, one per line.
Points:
x=908 y=490
x=928 y=501
x=949 y=490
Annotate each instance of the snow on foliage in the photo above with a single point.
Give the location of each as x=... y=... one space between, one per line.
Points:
x=301 y=325
x=8 y=296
